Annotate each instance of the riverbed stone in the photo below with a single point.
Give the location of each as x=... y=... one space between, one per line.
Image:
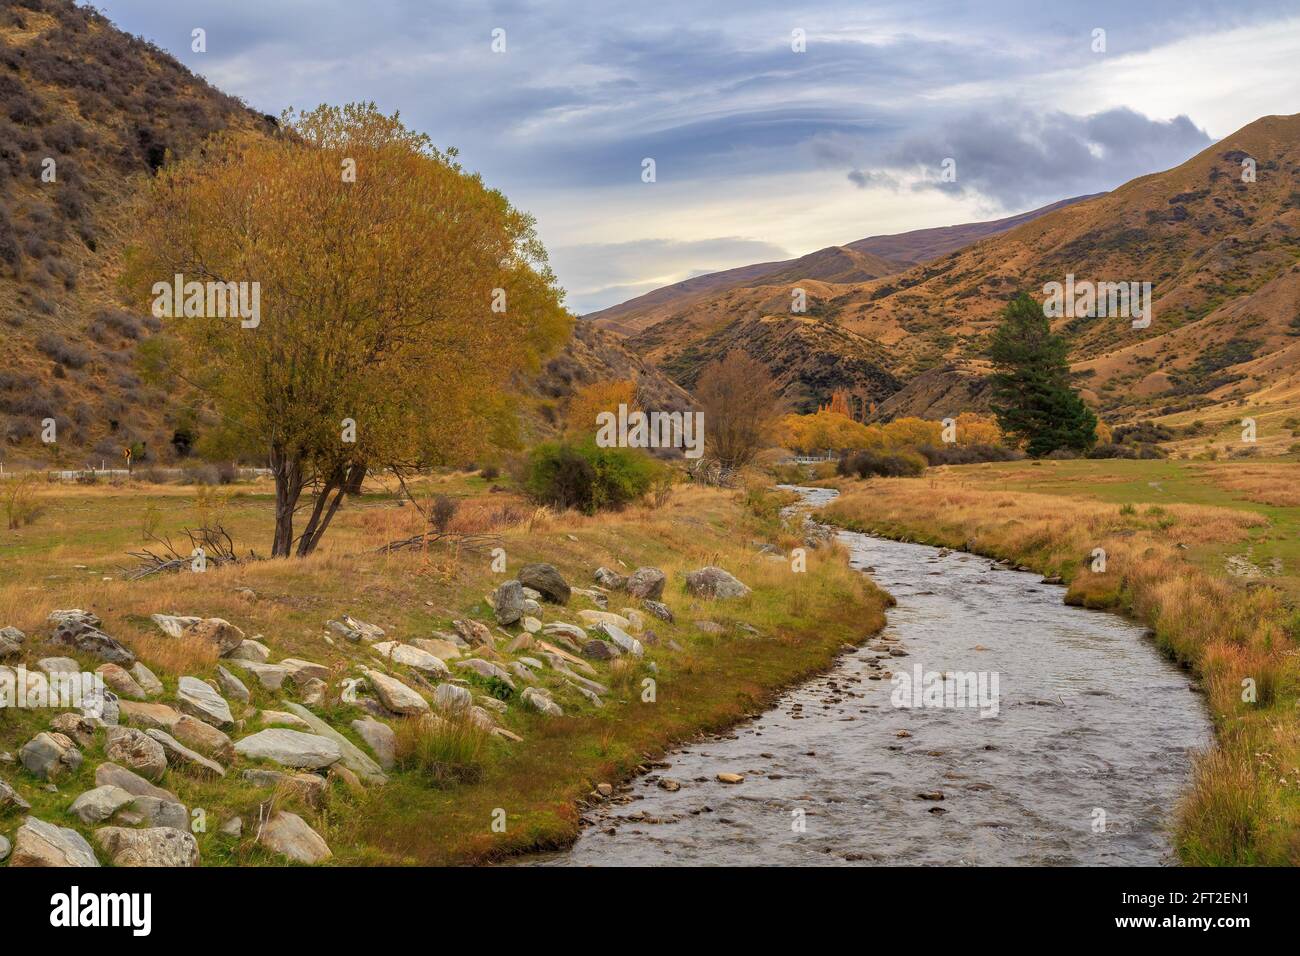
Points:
x=354 y=759
x=620 y=637
x=156 y=812
x=250 y=650
x=300 y=671
x=395 y=695
x=452 y=697
x=120 y=681
x=204 y=738
x=110 y=773
x=540 y=701
x=508 y=603
x=232 y=686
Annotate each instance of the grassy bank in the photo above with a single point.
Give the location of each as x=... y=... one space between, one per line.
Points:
x=792 y=625
x=1167 y=564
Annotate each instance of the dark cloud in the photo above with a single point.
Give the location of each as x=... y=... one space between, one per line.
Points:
x=1018 y=157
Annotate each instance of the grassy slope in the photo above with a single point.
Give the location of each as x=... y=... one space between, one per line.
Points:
x=1167 y=528
x=802 y=621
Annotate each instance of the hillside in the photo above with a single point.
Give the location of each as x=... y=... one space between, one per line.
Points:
x=857 y=261
x=109 y=110
x=1221 y=255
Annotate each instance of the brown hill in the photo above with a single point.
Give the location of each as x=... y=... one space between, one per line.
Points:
x=857 y=261
x=108 y=110
x=1221 y=255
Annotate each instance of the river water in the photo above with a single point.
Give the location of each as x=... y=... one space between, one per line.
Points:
x=1081 y=764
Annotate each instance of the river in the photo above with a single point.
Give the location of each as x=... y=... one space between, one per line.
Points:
x=1081 y=764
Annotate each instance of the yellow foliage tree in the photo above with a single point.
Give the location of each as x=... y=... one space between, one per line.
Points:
x=828 y=431
x=399 y=299
x=590 y=400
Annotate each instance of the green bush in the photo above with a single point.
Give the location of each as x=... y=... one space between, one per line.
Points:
x=588 y=478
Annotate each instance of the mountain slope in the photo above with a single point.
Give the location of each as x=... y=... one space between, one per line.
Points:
x=1221 y=255
x=882 y=256
x=108 y=110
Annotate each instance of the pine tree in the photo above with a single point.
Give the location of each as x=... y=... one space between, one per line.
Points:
x=1032 y=397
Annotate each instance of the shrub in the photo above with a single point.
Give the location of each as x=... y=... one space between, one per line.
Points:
x=586 y=477
x=490 y=473
x=21 y=503
x=865 y=464
x=62 y=351
x=955 y=454
x=442 y=511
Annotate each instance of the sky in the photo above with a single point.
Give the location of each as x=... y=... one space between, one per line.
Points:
x=775 y=128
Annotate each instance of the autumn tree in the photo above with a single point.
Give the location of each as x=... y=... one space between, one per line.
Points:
x=742 y=406
x=399 y=298
x=590 y=400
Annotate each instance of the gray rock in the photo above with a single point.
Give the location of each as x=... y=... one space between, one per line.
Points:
x=547 y=581
x=356 y=631
x=598 y=650
x=713 y=582
x=395 y=695
x=38 y=843
x=508 y=603
x=155 y=847
x=522 y=672
x=137 y=751
x=11 y=800
x=199 y=700
x=452 y=697
x=486 y=670
x=50 y=756
x=204 y=738
x=74 y=615
x=308 y=787
x=474 y=633
x=216 y=631
x=409 y=655
x=96 y=806
x=178 y=755
x=659 y=610
x=647 y=583
x=173 y=626
x=161 y=813
x=110 y=773
x=58 y=665
x=11 y=642
x=147 y=680
x=4 y=849
x=620 y=637
x=353 y=757
x=300 y=671
x=250 y=650
x=540 y=700
x=608 y=578
x=80 y=729
x=571 y=631
x=234 y=827
x=290 y=748
x=82 y=638
x=380 y=738
x=289 y=835
x=232 y=686
x=270 y=676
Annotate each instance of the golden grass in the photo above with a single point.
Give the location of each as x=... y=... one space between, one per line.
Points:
x=1244 y=807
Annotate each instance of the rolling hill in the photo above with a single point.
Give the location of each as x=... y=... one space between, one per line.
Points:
x=1221 y=255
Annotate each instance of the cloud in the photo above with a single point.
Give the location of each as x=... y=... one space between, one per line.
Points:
x=1018 y=157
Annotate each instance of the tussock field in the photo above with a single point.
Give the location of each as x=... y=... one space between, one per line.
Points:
x=441 y=800
x=1163 y=566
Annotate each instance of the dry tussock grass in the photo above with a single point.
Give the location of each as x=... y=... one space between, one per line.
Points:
x=1269 y=484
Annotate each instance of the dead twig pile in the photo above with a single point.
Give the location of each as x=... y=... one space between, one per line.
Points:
x=208 y=547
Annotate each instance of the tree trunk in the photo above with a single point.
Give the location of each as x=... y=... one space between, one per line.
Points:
x=288 y=487
x=356 y=475
x=321 y=515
